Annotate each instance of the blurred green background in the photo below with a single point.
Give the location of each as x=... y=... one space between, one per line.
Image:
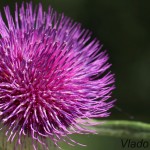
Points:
x=124 y=29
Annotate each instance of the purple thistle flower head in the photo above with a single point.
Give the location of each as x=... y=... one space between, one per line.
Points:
x=53 y=77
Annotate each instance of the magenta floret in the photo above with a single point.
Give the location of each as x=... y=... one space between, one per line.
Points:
x=53 y=76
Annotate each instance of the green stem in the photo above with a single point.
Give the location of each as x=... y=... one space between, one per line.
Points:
x=124 y=129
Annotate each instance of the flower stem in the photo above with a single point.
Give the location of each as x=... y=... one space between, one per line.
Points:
x=124 y=129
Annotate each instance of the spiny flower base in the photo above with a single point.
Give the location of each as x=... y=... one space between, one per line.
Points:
x=26 y=144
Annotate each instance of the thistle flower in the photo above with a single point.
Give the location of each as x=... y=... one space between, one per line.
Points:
x=53 y=77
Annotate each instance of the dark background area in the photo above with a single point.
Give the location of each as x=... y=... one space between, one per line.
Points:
x=124 y=29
